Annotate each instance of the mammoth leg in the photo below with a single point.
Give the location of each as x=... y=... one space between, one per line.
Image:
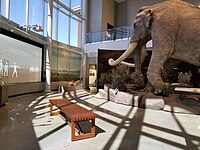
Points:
x=158 y=58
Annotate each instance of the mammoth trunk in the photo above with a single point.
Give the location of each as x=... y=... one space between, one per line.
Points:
x=128 y=51
x=139 y=57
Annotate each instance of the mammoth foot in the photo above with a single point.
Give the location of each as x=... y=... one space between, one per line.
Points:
x=147 y=89
x=163 y=91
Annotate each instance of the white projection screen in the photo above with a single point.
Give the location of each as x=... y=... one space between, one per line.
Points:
x=19 y=61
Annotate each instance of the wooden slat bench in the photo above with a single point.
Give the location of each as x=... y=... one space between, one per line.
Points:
x=184 y=90
x=76 y=114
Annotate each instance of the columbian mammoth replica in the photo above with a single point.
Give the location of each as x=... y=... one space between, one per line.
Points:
x=174 y=27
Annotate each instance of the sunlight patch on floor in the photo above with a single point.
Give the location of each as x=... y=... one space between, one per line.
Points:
x=119 y=138
x=146 y=143
x=164 y=134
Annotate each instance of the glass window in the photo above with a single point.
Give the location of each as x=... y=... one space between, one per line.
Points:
x=75 y=3
x=66 y=3
x=18 y=11
x=35 y=12
x=45 y=18
x=75 y=33
x=54 y=24
x=3 y=7
x=63 y=28
x=76 y=7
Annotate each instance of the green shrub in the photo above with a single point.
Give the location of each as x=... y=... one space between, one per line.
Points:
x=184 y=78
x=137 y=79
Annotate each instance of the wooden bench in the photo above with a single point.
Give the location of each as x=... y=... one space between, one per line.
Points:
x=76 y=114
x=184 y=90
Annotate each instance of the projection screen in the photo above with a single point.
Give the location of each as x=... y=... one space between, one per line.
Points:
x=19 y=61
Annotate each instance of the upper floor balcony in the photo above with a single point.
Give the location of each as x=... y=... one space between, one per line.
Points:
x=113 y=39
x=109 y=35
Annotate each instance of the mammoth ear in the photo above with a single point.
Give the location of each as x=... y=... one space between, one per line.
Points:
x=148 y=18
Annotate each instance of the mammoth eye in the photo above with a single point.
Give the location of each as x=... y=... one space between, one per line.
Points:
x=137 y=24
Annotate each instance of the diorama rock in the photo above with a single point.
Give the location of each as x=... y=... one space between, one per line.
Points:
x=151 y=101
x=128 y=99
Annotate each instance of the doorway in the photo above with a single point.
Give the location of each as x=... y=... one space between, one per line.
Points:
x=92 y=75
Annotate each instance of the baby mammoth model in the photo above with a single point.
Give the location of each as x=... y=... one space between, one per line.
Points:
x=174 y=27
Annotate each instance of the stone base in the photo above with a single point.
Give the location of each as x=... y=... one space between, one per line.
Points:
x=102 y=94
x=134 y=98
x=151 y=101
x=128 y=99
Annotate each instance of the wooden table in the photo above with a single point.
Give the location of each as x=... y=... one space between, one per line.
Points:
x=76 y=114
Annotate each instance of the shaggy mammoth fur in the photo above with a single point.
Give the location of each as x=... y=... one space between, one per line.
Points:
x=174 y=27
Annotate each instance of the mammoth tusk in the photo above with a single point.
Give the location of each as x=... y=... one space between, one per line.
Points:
x=128 y=64
x=128 y=51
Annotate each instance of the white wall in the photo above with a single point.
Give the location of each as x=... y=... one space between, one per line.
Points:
x=121 y=15
x=133 y=7
x=112 y=45
x=94 y=16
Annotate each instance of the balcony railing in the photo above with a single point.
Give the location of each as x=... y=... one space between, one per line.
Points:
x=110 y=34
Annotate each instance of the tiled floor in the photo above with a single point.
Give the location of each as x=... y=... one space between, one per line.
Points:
x=25 y=124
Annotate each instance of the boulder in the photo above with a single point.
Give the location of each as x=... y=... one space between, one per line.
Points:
x=112 y=94
x=101 y=94
x=151 y=101
x=128 y=99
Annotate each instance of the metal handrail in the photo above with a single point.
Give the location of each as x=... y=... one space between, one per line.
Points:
x=110 y=34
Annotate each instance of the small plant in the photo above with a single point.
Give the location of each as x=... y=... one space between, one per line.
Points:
x=137 y=79
x=165 y=90
x=184 y=78
x=115 y=80
x=105 y=78
x=120 y=73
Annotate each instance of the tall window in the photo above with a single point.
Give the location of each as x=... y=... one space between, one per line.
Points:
x=63 y=28
x=45 y=18
x=18 y=11
x=55 y=24
x=75 y=24
x=35 y=12
x=3 y=7
x=65 y=31
x=75 y=33
x=66 y=3
x=75 y=3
